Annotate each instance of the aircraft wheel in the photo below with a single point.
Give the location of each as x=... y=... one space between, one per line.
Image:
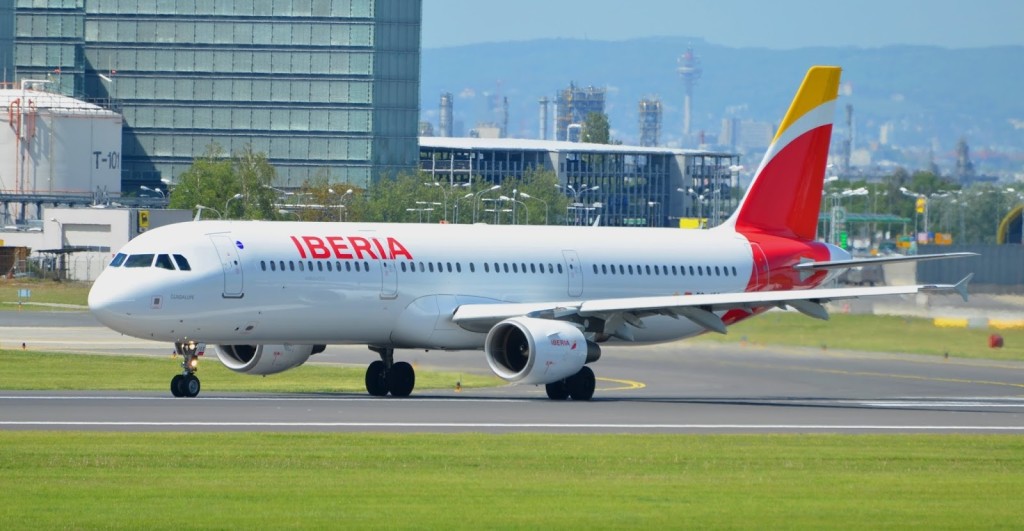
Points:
x=401 y=379
x=190 y=385
x=557 y=390
x=176 y=386
x=581 y=385
x=377 y=379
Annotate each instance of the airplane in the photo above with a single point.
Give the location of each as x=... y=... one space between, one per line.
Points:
x=537 y=300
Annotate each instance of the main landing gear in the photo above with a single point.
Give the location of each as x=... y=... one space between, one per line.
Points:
x=384 y=375
x=579 y=386
x=187 y=383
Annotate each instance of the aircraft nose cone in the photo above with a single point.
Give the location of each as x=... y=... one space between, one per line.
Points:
x=108 y=303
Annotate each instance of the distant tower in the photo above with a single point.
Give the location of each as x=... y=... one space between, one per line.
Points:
x=690 y=70
x=650 y=121
x=848 y=142
x=964 y=166
x=504 y=117
x=445 y=121
x=543 y=118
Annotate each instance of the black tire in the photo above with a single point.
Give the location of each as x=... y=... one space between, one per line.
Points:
x=376 y=379
x=176 y=388
x=401 y=379
x=190 y=386
x=581 y=385
x=557 y=390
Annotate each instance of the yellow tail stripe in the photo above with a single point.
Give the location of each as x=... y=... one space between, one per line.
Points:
x=820 y=85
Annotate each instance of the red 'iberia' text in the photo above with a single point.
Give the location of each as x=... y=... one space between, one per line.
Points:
x=350 y=247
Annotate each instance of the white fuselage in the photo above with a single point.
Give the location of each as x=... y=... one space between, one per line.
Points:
x=397 y=284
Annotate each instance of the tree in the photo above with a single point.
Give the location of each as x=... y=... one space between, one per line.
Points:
x=596 y=129
x=214 y=180
x=318 y=199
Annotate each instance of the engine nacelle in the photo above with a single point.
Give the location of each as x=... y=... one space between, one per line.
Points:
x=265 y=359
x=537 y=351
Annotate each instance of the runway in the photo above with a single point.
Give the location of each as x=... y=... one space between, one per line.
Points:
x=686 y=387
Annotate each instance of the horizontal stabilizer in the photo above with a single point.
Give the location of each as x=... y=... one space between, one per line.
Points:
x=859 y=262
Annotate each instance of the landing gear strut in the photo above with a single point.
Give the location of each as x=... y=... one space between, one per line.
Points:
x=384 y=375
x=187 y=383
x=579 y=386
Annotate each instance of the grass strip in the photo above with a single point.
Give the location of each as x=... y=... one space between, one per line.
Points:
x=29 y=370
x=536 y=481
x=45 y=292
x=872 y=333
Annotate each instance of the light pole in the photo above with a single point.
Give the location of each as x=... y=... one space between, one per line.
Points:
x=528 y=196
x=657 y=213
x=155 y=190
x=230 y=199
x=456 y=207
x=443 y=191
x=918 y=199
x=476 y=197
x=341 y=202
x=700 y=206
x=576 y=196
x=200 y=208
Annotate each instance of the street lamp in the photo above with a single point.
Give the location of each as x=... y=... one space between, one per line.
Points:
x=341 y=202
x=155 y=190
x=477 y=196
x=576 y=196
x=657 y=214
x=528 y=196
x=232 y=198
x=199 y=211
x=700 y=205
x=456 y=207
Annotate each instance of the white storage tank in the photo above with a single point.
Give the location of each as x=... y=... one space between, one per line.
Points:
x=55 y=145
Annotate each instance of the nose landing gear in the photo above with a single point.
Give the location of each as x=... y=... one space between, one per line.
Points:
x=186 y=384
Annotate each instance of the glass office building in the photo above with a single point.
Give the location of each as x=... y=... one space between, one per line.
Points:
x=324 y=87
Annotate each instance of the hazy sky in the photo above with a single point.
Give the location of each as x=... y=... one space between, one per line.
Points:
x=778 y=24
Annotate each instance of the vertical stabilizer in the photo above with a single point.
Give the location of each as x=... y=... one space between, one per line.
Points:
x=785 y=196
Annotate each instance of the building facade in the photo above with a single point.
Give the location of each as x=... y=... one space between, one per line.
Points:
x=324 y=87
x=626 y=185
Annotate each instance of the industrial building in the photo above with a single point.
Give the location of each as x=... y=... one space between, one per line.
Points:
x=572 y=106
x=649 y=111
x=626 y=185
x=315 y=84
x=55 y=149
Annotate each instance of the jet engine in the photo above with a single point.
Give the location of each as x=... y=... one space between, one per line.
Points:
x=537 y=351
x=265 y=359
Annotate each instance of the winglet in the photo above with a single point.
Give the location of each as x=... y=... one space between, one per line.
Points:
x=961 y=287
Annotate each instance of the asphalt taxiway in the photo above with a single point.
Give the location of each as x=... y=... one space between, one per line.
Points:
x=685 y=387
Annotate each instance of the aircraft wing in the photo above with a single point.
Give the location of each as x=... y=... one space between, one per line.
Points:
x=697 y=308
x=858 y=262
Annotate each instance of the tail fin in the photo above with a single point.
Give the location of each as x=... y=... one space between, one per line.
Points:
x=785 y=195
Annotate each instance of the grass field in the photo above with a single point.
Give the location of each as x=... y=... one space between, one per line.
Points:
x=535 y=481
x=47 y=292
x=872 y=333
x=21 y=370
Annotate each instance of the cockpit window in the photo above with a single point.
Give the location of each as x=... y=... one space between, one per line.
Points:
x=182 y=263
x=163 y=261
x=118 y=260
x=139 y=260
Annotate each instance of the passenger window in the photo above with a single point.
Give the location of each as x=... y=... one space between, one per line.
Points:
x=630 y=269
x=734 y=271
x=309 y=265
x=648 y=269
x=472 y=267
x=515 y=267
x=330 y=266
x=319 y=266
x=421 y=267
x=431 y=266
x=458 y=267
x=674 y=272
x=559 y=269
x=604 y=269
x=613 y=269
x=263 y=265
x=163 y=261
x=118 y=260
x=505 y=267
x=533 y=268
x=282 y=265
x=291 y=265
x=272 y=264
x=656 y=272
x=622 y=269
x=403 y=267
x=302 y=266
x=139 y=260
x=348 y=267
x=691 y=271
x=487 y=267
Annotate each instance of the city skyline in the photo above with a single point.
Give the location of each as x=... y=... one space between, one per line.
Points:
x=785 y=24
